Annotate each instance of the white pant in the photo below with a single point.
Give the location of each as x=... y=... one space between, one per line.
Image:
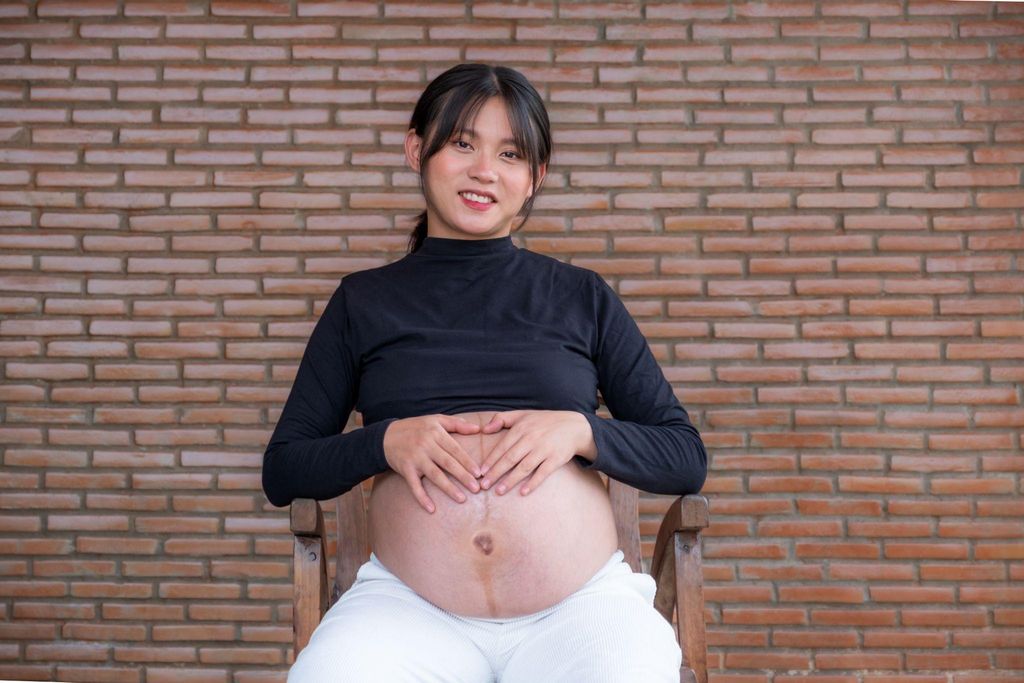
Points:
x=381 y=631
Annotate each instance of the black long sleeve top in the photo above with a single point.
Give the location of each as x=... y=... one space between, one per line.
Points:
x=464 y=325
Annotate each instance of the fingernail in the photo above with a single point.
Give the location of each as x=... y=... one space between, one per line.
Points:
x=485 y=483
x=501 y=489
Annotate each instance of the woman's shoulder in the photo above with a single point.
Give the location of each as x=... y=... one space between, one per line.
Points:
x=370 y=277
x=566 y=272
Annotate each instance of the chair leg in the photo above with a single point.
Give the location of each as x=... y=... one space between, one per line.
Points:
x=676 y=568
x=310 y=570
x=690 y=604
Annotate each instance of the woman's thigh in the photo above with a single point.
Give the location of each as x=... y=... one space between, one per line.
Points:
x=380 y=632
x=608 y=634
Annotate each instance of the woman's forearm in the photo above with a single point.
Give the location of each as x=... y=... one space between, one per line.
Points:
x=587 y=447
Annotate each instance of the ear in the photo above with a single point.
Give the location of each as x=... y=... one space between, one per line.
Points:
x=542 y=171
x=413 y=145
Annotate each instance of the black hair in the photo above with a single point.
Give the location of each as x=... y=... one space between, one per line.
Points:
x=455 y=96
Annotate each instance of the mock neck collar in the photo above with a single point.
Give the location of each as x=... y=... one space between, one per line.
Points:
x=453 y=246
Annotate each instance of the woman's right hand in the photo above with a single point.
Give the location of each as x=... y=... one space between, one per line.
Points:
x=415 y=447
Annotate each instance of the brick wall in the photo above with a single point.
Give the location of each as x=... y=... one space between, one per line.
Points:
x=813 y=209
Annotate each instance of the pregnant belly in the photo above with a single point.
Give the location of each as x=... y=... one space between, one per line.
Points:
x=494 y=556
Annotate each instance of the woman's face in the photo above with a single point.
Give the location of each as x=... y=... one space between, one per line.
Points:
x=484 y=160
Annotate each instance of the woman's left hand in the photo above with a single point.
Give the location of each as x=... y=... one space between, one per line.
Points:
x=538 y=441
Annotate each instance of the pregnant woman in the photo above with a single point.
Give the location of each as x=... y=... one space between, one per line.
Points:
x=476 y=367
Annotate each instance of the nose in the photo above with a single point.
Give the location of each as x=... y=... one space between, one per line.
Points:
x=483 y=170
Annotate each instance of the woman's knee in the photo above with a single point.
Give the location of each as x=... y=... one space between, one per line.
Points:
x=384 y=639
x=607 y=639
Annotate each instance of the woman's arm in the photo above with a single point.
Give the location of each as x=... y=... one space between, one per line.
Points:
x=650 y=443
x=308 y=456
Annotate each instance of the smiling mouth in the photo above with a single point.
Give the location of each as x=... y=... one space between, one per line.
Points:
x=478 y=206
x=466 y=193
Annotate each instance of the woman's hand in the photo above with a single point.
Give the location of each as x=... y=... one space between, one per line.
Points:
x=415 y=446
x=538 y=441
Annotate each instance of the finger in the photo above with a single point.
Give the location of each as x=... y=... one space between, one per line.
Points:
x=494 y=472
x=518 y=473
x=514 y=476
x=499 y=470
x=494 y=455
x=497 y=461
x=493 y=426
x=498 y=422
x=420 y=493
x=459 y=424
x=459 y=471
x=464 y=468
x=492 y=458
x=539 y=475
x=441 y=481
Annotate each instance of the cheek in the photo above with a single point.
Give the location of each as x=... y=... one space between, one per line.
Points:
x=441 y=183
x=442 y=168
x=523 y=187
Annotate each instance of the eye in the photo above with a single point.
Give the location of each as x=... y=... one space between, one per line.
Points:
x=515 y=154
x=460 y=142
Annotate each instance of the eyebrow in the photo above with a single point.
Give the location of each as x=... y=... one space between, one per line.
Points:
x=506 y=141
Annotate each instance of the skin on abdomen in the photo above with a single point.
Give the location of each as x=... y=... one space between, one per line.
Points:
x=494 y=556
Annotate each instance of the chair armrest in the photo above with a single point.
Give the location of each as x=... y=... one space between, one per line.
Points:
x=676 y=568
x=306 y=518
x=687 y=514
x=310 y=597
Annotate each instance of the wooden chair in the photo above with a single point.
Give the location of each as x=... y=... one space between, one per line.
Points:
x=676 y=564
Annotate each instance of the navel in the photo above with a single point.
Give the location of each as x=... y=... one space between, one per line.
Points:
x=484 y=543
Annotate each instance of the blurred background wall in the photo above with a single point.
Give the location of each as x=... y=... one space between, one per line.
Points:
x=812 y=208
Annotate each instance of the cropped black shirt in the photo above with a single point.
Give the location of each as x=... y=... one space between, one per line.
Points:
x=470 y=325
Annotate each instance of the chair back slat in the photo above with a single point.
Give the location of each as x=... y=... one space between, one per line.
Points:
x=353 y=540
x=625 y=508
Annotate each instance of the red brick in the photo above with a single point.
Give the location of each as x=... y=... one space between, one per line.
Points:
x=180 y=675
x=99 y=674
x=68 y=651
